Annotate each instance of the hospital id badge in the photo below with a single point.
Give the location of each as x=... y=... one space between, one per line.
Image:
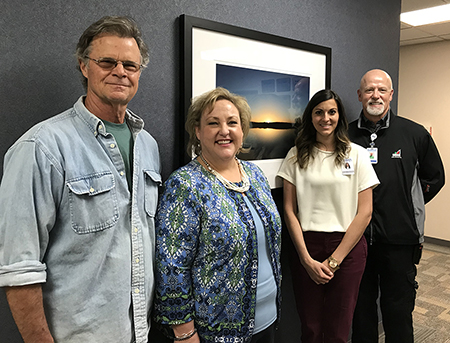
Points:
x=373 y=155
x=347 y=167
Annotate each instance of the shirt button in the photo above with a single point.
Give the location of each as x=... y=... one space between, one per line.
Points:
x=137 y=260
x=136 y=290
x=100 y=127
x=136 y=229
x=112 y=145
x=122 y=173
x=91 y=190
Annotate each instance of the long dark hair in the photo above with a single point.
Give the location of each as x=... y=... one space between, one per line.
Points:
x=306 y=138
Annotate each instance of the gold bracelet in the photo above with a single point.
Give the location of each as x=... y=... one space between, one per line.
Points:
x=185 y=336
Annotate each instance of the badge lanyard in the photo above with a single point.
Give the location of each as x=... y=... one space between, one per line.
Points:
x=373 y=152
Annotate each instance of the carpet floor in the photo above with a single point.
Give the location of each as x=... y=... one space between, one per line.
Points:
x=432 y=311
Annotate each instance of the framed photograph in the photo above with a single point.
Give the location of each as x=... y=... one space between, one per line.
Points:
x=276 y=75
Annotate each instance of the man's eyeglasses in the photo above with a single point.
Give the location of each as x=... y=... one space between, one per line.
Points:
x=109 y=63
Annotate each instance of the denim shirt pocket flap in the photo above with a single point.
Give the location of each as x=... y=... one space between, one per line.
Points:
x=152 y=182
x=93 y=202
x=92 y=185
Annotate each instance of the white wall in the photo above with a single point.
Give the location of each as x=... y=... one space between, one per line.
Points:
x=424 y=96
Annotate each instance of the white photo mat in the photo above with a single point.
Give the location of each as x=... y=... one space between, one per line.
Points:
x=211 y=44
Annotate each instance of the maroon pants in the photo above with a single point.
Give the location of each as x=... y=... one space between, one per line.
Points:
x=326 y=311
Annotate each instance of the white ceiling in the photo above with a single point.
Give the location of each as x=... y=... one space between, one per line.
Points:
x=426 y=33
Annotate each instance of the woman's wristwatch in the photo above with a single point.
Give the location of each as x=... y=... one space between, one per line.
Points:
x=333 y=263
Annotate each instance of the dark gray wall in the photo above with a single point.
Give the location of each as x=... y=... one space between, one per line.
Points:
x=39 y=79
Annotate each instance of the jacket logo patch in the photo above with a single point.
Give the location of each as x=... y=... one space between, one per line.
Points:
x=397 y=154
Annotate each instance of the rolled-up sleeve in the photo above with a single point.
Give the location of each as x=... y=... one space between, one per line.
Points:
x=28 y=196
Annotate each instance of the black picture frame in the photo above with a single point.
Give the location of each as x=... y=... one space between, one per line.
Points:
x=202 y=28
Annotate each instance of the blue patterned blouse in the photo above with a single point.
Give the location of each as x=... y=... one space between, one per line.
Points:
x=206 y=252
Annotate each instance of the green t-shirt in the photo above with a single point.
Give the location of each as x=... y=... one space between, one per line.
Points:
x=124 y=140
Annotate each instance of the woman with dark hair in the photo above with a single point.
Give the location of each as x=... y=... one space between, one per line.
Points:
x=327 y=185
x=218 y=234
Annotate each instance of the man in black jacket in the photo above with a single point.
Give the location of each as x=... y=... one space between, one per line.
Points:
x=411 y=173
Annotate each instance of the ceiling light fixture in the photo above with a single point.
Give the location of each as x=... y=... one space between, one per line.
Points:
x=427 y=16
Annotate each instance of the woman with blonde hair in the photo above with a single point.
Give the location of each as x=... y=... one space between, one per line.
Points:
x=218 y=233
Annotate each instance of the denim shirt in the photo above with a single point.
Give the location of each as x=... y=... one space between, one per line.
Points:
x=69 y=221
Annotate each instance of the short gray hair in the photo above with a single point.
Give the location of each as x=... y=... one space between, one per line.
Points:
x=120 y=26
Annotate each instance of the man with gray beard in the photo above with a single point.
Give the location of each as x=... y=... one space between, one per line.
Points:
x=411 y=173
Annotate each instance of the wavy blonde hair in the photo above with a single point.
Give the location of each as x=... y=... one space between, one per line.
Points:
x=205 y=103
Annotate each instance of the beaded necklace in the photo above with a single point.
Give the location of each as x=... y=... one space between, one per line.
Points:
x=230 y=185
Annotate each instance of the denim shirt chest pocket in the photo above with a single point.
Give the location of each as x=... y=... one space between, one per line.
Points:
x=152 y=184
x=93 y=202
